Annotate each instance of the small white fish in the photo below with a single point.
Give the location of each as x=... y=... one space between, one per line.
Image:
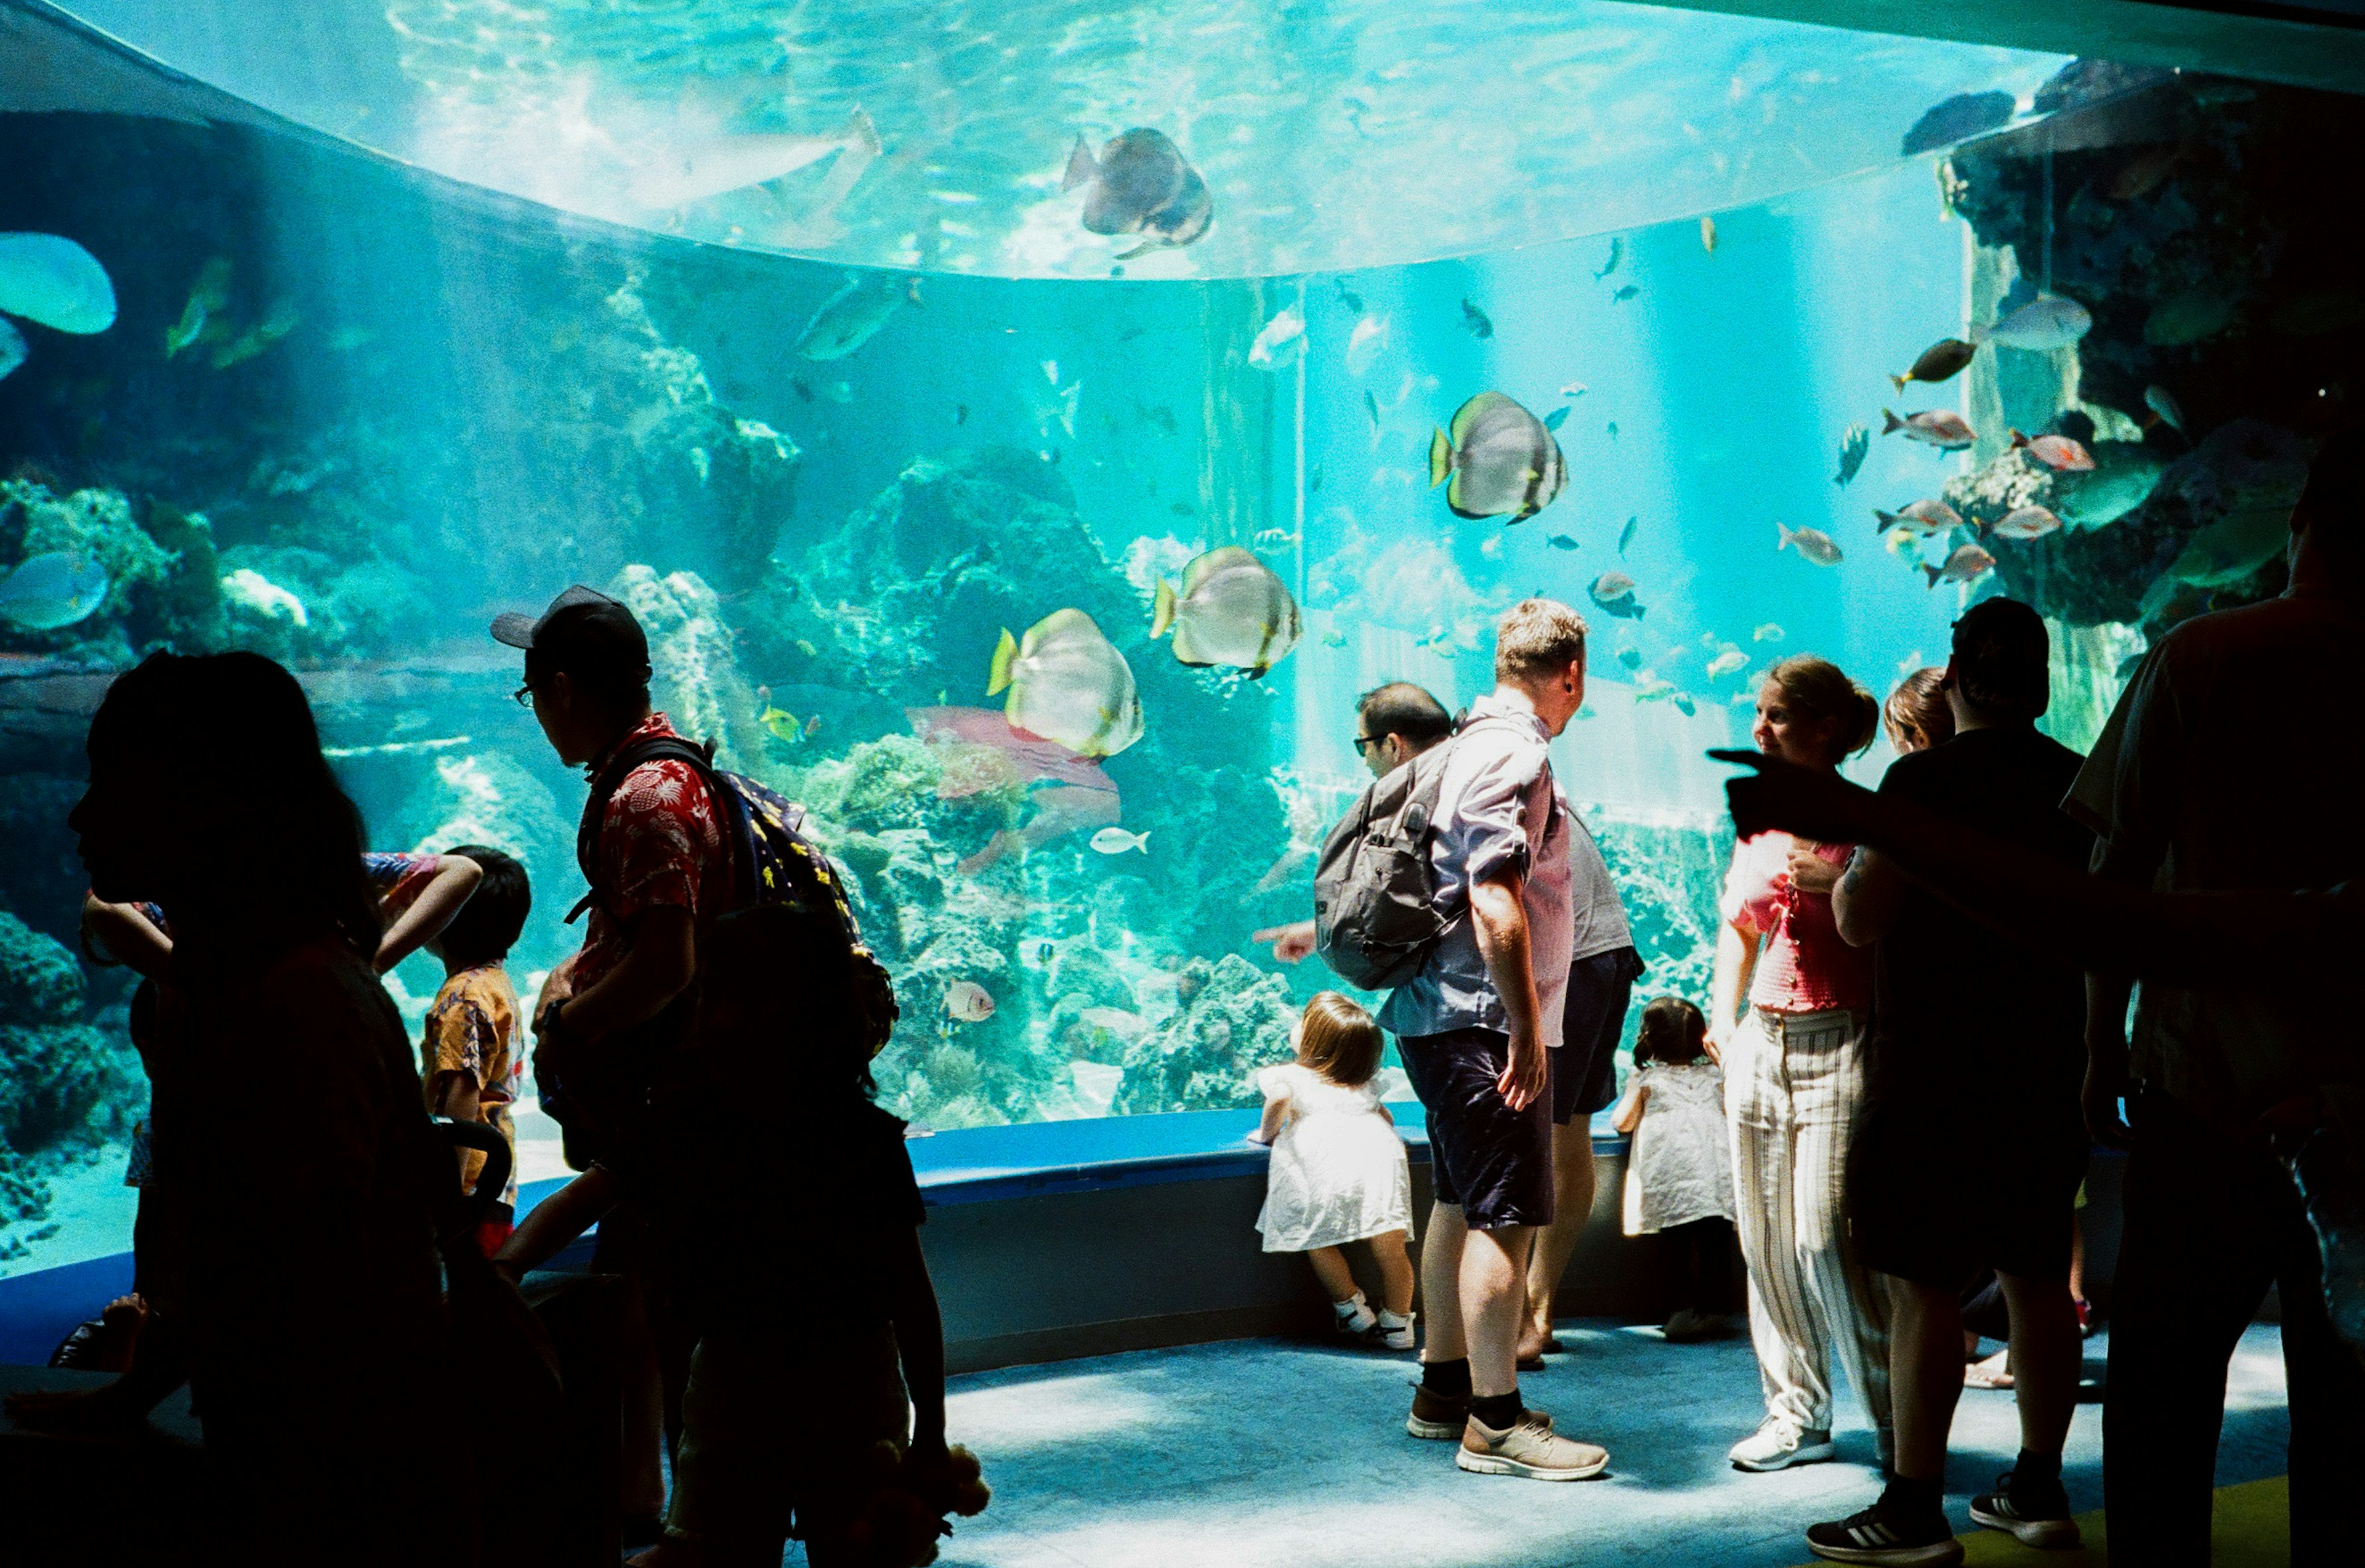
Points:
x=1708 y=234
x=1574 y=389
x=1813 y=543
x=966 y=1002
x=1966 y=565
x=1769 y=632
x=1282 y=341
x=1117 y=841
x=1726 y=663
x=1926 y=516
x=1942 y=428
x=2158 y=398
x=2026 y=522
x=2041 y=324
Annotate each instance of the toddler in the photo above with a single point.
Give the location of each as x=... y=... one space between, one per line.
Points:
x=469 y=1064
x=1679 y=1172
x=1339 y=1171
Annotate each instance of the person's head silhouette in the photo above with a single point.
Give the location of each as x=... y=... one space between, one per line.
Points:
x=2328 y=527
x=209 y=796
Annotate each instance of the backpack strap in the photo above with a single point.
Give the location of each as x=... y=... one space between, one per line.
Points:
x=699 y=759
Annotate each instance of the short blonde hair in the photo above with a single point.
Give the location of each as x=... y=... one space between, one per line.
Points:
x=1537 y=638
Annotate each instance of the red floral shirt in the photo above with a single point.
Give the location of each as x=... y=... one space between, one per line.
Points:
x=660 y=843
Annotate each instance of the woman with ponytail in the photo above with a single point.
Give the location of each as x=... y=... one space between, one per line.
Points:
x=1786 y=1019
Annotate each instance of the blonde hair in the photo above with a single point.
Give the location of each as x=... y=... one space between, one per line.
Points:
x=1537 y=638
x=1821 y=689
x=1918 y=707
x=1338 y=1039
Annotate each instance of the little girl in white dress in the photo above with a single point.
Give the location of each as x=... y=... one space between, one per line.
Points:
x=1679 y=1170
x=1339 y=1171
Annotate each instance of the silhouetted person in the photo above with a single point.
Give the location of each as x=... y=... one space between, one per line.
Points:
x=2229 y=765
x=291 y=1261
x=1970 y=1149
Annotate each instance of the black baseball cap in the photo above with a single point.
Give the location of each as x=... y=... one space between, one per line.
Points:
x=583 y=632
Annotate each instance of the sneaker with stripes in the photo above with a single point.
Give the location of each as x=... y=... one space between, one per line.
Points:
x=2035 y=1514
x=1888 y=1535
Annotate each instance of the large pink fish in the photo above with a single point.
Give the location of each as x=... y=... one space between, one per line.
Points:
x=1033 y=756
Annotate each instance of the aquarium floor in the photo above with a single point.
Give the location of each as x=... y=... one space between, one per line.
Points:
x=1267 y=1451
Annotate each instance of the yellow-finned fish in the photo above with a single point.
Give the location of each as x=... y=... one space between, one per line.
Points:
x=1232 y=610
x=1068 y=683
x=1501 y=457
x=781 y=723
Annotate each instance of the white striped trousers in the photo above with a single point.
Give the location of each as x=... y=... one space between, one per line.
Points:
x=1793 y=1085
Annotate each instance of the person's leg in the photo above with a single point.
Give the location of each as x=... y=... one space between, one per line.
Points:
x=1848 y=1305
x=1782 y=1327
x=1442 y=1247
x=1925 y=1365
x=2191 y=1273
x=1572 y=1157
x=1586 y=1080
x=2047 y=1356
x=1494 y=1266
x=728 y=1479
x=2323 y=1374
x=1396 y=1271
x=1330 y=1267
x=1712 y=1268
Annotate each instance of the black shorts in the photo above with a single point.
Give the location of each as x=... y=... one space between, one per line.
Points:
x=1492 y=1162
x=1935 y=1196
x=1593 y=1023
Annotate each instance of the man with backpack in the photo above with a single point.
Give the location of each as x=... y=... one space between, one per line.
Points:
x=1475 y=1021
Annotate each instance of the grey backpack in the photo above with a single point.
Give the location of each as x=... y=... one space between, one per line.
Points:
x=1375 y=914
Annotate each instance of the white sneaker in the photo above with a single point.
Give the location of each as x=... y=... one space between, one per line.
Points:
x=1529 y=1449
x=1355 y=1318
x=1393 y=1331
x=1778 y=1444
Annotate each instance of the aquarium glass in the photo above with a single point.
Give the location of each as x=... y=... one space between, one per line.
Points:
x=392 y=364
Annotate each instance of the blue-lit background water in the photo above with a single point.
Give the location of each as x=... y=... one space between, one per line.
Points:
x=460 y=401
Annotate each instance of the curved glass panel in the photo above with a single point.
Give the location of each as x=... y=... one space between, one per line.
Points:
x=1343 y=134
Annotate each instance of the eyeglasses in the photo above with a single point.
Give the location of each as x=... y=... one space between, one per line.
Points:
x=524 y=696
x=1363 y=741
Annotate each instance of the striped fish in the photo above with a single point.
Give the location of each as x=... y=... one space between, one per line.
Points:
x=1501 y=458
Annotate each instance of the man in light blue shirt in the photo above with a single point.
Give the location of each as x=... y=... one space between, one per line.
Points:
x=1475 y=1026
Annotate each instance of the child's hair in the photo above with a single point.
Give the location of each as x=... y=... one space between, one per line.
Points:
x=1918 y=710
x=1338 y=1040
x=487 y=927
x=1671 y=1031
x=775 y=989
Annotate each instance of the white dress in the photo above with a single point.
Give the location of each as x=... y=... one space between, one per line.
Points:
x=1680 y=1169
x=1338 y=1169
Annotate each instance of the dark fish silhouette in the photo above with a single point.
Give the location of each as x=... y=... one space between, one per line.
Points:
x=1141 y=184
x=1628 y=292
x=1616 y=249
x=1477 y=320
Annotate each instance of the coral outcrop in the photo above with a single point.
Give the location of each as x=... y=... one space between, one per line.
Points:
x=1234 y=1018
x=64 y=1085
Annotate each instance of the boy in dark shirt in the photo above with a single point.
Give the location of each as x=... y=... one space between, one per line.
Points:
x=1972 y=1143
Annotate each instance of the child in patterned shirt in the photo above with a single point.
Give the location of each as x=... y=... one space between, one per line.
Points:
x=469 y=1063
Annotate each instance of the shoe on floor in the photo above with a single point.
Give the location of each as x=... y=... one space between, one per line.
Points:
x=1779 y=1444
x=1887 y=1536
x=2034 y=1515
x=1528 y=1449
x=1435 y=1416
x=1354 y=1315
x=1688 y=1327
x=1392 y=1332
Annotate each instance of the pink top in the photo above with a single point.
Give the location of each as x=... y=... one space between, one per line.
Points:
x=1803 y=967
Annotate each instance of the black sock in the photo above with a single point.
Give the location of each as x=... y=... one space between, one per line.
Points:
x=1450 y=1380
x=1914 y=1499
x=2036 y=1470
x=1500 y=1411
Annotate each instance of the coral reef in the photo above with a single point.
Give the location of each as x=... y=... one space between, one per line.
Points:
x=2196 y=220
x=64 y=1085
x=1233 y=1019
x=1669 y=871
x=695 y=673
x=488 y=797
x=161 y=585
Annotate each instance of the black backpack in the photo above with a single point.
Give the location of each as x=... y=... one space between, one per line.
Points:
x=772 y=862
x=1376 y=918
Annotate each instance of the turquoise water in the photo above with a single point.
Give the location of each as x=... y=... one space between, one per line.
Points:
x=404 y=405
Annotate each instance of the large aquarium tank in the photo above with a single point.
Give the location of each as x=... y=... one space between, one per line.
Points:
x=1025 y=429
